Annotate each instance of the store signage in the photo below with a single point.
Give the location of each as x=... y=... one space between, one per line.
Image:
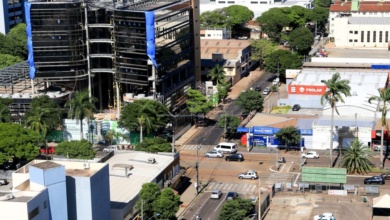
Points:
x=306 y=89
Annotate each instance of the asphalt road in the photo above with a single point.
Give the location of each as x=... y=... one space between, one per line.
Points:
x=211 y=135
x=208 y=209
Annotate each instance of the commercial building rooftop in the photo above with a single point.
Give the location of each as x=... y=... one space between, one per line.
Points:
x=229 y=48
x=126 y=184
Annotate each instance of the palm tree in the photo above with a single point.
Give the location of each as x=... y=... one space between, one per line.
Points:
x=37 y=122
x=383 y=99
x=81 y=106
x=336 y=87
x=217 y=74
x=356 y=158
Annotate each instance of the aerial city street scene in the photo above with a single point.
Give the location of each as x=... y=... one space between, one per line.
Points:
x=194 y=110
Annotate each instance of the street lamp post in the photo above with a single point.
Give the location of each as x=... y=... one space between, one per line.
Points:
x=197 y=169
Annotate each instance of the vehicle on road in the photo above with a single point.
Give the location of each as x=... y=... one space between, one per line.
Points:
x=296 y=107
x=214 y=153
x=250 y=174
x=266 y=91
x=231 y=195
x=257 y=88
x=375 y=180
x=110 y=149
x=310 y=155
x=225 y=147
x=48 y=150
x=324 y=216
x=216 y=194
x=3 y=182
x=235 y=157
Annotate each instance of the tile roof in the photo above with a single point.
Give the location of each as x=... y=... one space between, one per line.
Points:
x=340 y=7
x=374 y=6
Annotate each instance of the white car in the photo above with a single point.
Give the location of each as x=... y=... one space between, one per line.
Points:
x=216 y=194
x=324 y=216
x=310 y=155
x=110 y=149
x=214 y=153
x=250 y=174
x=266 y=91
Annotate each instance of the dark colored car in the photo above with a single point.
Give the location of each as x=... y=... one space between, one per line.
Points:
x=235 y=157
x=296 y=107
x=231 y=195
x=257 y=88
x=374 y=180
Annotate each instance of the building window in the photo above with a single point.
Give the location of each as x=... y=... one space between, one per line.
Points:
x=386 y=36
x=362 y=36
x=222 y=2
x=380 y=36
x=351 y=32
x=33 y=213
x=231 y=2
x=356 y=32
x=368 y=36
x=45 y=204
x=254 y=2
x=355 y=40
x=350 y=40
x=374 y=37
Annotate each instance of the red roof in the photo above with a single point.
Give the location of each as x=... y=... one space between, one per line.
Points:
x=342 y=6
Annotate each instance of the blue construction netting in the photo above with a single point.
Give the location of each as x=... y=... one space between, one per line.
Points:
x=27 y=7
x=150 y=37
x=380 y=66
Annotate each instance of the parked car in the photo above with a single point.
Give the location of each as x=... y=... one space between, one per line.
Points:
x=231 y=195
x=3 y=182
x=257 y=88
x=324 y=216
x=296 y=107
x=266 y=91
x=235 y=157
x=375 y=180
x=311 y=155
x=216 y=194
x=214 y=153
x=110 y=149
x=250 y=174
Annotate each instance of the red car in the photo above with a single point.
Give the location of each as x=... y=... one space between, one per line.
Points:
x=50 y=150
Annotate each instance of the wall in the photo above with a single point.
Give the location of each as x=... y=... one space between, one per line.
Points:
x=14 y=210
x=348 y=60
x=3 y=13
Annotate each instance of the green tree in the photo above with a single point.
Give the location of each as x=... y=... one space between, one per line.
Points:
x=383 y=99
x=356 y=159
x=147 y=196
x=250 y=100
x=167 y=204
x=298 y=16
x=223 y=90
x=236 y=209
x=112 y=134
x=280 y=60
x=336 y=88
x=8 y=60
x=261 y=49
x=238 y=14
x=217 y=75
x=17 y=142
x=36 y=121
x=230 y=123
x=81 y=106
x=52 y=117
x=150 y=114
x=320 y=16
x=5 y=113
x=273 y=21
x=154 y=145
x=16 y=44
x=289 y=136
x=76 y=149
x=322 y=3
x=301 y=39
x=197 y=102
x=215 y=19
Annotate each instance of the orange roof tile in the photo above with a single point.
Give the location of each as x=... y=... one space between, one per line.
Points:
x=340 y=7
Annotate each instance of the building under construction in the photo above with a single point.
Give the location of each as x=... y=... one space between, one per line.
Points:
x=119 y=50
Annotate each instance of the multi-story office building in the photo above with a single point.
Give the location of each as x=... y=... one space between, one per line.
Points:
x=135 y=49
x=11 y=14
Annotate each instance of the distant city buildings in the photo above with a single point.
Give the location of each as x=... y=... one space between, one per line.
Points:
x=11 y=14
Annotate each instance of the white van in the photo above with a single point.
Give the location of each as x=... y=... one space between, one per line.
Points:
x=230 y=148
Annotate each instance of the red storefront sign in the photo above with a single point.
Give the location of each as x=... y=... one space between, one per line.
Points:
x=306 y=89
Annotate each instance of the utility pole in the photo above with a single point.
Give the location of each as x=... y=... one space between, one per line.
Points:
x=197 y=169
x=225 y=127
x=259 y=217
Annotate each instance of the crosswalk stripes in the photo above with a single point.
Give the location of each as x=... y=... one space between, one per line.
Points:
x=279 y=177
x=195 y=147
x=237 y=187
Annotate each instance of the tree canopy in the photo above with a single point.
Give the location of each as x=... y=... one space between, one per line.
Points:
x=229 y=17
x=13 y=46
x=236 y=209
x=261 y=49
x=167 y=204
x=272 y=22
x=5 y=113
x=197 y=103
x=280 y=60
x=148 y=194
x=76 y=149
x=301 y=39
x=154 y=145
x=231 y=123
x=8 y=60
x=17 y=142
x=289 y=136
x=150 y=113
x=250 y=100
x=357 y=158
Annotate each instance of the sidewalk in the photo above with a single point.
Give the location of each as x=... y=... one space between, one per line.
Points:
x=188 y=197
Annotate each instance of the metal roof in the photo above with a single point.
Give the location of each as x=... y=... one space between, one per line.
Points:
x=345 y=121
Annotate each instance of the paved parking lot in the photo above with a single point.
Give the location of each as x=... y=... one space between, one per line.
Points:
x=304 y=206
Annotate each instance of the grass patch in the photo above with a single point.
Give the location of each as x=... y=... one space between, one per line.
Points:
x=280 y=109
x=378 y=170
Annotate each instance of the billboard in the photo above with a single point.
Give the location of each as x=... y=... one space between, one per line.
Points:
x=306 y=89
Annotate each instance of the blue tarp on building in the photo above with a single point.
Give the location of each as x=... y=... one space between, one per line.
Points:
x=150 y=37
x=27 y=7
